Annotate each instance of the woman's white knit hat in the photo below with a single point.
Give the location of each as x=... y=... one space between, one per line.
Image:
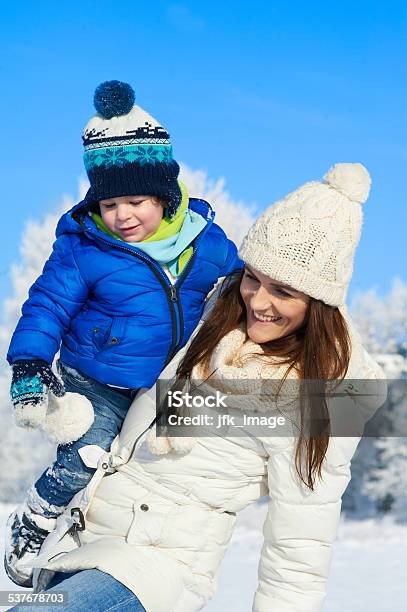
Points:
x=308 y=239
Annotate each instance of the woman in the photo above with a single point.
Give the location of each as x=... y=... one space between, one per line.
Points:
x=151 y=529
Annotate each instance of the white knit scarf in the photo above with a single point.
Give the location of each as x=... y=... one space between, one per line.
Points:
x=236 y=359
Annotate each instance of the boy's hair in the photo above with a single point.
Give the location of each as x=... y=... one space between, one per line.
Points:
x=160 y=201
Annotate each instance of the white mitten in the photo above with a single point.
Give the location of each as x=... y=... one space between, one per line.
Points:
x=67 y=417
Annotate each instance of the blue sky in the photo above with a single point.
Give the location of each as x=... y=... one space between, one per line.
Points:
x=267 y=94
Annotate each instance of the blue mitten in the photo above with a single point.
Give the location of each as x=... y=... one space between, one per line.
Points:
x=31 y=383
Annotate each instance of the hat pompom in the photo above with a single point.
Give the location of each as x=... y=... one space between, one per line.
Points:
x=352 y=180
x=113 y=98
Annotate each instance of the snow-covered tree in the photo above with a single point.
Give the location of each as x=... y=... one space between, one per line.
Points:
x=382 y=320
x=380 y=464
x=387 y=482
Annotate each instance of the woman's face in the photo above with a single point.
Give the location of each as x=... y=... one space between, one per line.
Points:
x=273 y=309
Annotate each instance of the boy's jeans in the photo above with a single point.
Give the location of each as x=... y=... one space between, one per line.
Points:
x=68 y=475
x=89 y=590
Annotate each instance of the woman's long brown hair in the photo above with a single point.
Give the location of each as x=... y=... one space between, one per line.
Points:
x=319 y=351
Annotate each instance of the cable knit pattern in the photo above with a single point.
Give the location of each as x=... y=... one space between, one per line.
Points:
x=308 y=239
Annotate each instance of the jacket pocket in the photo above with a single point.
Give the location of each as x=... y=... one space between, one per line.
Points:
x=100 y=334
x=198 y=537
x=149 y=516
x=111 y=335
x=91 y=328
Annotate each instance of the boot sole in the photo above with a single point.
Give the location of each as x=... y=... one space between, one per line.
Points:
x=26 y=583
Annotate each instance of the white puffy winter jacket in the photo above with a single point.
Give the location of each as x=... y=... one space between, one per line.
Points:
x=160 y=524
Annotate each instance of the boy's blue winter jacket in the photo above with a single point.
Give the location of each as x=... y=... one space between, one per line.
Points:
x=111 y=308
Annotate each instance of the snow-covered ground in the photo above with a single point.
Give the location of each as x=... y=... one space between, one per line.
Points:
x=367 y=573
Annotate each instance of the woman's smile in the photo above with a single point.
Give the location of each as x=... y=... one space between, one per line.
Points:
x=263 y=319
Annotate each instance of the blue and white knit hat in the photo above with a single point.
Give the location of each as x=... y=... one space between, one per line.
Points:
x=127 y=152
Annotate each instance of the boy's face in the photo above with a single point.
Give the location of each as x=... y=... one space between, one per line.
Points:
x=133 y=218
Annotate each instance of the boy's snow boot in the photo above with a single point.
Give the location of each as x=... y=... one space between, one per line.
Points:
x=24 y=538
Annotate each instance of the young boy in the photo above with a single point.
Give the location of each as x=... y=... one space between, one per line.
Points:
x=120 y=294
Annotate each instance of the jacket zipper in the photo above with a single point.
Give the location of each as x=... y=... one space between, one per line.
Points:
x=165 y=283
x=171 y=291
x=176 y=287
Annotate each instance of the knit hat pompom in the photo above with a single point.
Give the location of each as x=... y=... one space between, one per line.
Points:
x=352 y=180
x=113 y=99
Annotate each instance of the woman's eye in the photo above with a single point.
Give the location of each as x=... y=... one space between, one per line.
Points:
x=250 y=276
x=283 y=293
